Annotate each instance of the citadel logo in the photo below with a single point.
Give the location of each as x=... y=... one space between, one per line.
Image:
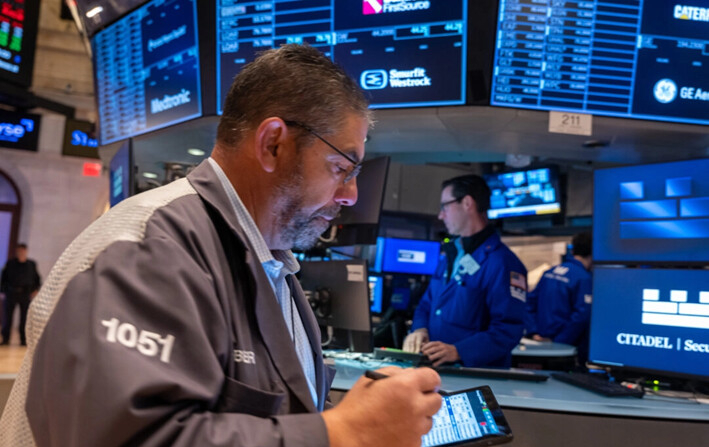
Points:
x=665 y=90
x=170 y=101
x=387 y=6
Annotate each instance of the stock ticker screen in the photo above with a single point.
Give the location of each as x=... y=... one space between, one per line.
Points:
x=627 y=58
x=404 y=53
x=147 y=70
x=18 y=34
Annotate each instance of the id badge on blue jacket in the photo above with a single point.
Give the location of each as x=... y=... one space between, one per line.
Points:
x=467 y=266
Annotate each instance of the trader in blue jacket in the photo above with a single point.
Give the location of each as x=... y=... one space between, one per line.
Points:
x=473 y=310
x=559 y=308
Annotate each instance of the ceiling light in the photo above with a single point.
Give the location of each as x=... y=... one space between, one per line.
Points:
x=196 y=152
x=150 y=175
x=94 y=11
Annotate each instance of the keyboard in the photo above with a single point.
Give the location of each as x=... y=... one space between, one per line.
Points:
x=401 y=356
x=494 y=373
x=596 y=384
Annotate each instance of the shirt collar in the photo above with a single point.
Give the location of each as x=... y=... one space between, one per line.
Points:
x=276 y=258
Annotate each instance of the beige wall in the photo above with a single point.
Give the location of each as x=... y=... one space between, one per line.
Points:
x=57 y=200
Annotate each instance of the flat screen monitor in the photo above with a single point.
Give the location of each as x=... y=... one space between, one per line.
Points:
x=80 y=139
x=19 y=130
x=339 y=293
x=147 y=70
x=631 y=59
x=370 y=194
x=376 y=294
x=121 y=174
x=404 y=53
x=18 y=36
x=529 y=192
x=653 y=213
x=409 y=256
x=651 y=320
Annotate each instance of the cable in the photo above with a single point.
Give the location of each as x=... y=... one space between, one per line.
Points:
x=333 y=234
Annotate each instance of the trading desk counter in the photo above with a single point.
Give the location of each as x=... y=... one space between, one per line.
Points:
x=553 y=413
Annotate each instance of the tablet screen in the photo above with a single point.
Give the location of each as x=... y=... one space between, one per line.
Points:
x=464 y=417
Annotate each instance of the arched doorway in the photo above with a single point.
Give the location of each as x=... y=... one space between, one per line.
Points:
x=10 y=208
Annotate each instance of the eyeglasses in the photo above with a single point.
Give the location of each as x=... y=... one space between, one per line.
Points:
x=445 y=204
x=353 y=172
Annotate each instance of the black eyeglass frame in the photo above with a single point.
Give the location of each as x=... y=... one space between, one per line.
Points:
x=446 y=203
x=357 y=166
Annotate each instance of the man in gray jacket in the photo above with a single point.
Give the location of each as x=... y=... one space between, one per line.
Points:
x=174 y=319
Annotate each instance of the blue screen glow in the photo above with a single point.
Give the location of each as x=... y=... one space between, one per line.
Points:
x=652 y=213
x=636 y=59
x=651 y=319
x=523 y=193
x=376 y=293
x=407 y=256
x=404 y=53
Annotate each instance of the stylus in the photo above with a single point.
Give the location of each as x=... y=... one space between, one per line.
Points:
x=374 y=375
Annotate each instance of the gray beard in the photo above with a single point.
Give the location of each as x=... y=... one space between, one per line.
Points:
x=299 y=229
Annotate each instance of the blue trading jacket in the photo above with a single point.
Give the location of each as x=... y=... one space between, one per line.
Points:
x=481 y=314
x=560 y=306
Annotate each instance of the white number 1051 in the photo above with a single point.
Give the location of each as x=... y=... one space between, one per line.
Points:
x=146 y=342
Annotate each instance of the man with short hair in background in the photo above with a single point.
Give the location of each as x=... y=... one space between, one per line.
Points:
x=473 y=309
x=559 y=308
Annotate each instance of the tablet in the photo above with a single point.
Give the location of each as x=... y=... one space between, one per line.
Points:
x=468 y=418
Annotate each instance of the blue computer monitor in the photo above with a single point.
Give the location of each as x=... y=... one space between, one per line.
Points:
x=376 y=293
x=409 y=256
x=393 y=49
x=651 y=320
x=147 y=70
x=631 y=59
x=528 y=192
x=653 y=213
x=121 y=174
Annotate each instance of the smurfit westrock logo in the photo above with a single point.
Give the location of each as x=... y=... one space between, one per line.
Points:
x=167 y=38
x=389 y=6
x=373 y=79
x=694 y=13
x=170 y=101
x=665 y=90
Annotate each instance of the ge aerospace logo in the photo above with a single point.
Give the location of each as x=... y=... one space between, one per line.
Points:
x=665 y=90
x=373 y=79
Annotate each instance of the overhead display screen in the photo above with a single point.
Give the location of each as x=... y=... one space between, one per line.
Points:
x=18 y=34
x=404 y=53
x=628 y=58
x=523 y=193
x=654 y=213
x=147 y=70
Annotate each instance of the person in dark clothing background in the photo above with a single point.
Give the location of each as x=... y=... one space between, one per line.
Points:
x=559 y=308
x=20 y=282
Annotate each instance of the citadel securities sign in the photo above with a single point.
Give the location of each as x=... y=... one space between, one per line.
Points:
x=659 y=342
x=19 y=130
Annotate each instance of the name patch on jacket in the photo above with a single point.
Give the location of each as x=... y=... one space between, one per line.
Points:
x=518 y=286
x=467 y=266
x=244 y=357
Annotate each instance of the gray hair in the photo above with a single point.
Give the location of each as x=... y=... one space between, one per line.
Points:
x=293 y=82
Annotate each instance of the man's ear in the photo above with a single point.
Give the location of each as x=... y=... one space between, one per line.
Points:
x=270 y=138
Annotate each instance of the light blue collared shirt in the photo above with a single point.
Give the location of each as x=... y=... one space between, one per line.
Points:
x=277 y=264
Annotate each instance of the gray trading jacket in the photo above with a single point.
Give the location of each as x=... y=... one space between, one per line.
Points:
x=158 y=326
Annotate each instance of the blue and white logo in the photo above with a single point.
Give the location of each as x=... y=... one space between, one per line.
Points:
x=665 y=90
x=373 y=79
